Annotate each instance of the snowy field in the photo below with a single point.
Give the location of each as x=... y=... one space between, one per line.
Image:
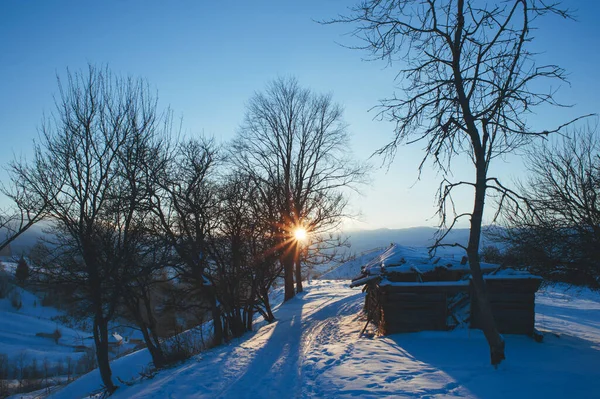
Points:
x=314 y=350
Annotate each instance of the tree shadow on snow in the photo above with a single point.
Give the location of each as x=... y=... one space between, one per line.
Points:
x=275 y=370
x=557 y=368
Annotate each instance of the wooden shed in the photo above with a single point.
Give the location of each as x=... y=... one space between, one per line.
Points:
x=440 y=299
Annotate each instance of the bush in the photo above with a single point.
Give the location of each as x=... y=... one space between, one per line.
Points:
x=182 y=346
x=15 y=299
x=491 y=254
x=52 y=298
x=87 y=362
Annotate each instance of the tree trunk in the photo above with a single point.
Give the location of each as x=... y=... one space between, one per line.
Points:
x=250 y=304
x=101 y=343
x=158 y=357
x=152 y=342
x=488 y=325
x=150 y=335
x=216 y=316
x=267 y=303
x=298 y=268
x=249 y=318
x=288 y=273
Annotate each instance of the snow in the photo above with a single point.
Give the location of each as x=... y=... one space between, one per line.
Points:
x=8 y=267
x=18 y=329
x=27 y=333
x=506 y=274
x=353 y=267
x=361 y=281
x=401 y=259
x=314 y=350
x=425 y=284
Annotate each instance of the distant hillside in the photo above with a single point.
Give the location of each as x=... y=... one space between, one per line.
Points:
x=361 y=241
x=364 y=240
x=22 y=244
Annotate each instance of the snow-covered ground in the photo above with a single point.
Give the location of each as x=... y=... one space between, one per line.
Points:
x=18 y=329
x=314 y=350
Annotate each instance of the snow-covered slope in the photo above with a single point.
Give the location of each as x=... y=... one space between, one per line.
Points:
x=18 y=329
x=351 y=268
x=314 y=350
x=34 y=340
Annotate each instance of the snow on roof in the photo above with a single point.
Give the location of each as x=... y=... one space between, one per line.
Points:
x=424 y=284
x=411 y=260
x=115 y=338
x=511 y=274
x=401 y=259
x=361 y=281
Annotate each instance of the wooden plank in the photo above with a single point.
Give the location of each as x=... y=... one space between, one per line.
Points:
x=424 y=289
x=415 y=296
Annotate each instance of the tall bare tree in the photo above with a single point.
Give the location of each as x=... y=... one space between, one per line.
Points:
x=294 y=144
x=97 y=136
x=467 y=85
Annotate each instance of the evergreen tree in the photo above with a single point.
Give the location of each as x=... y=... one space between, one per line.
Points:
x=22 y=271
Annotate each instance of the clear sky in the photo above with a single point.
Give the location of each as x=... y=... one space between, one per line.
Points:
x=206 y=59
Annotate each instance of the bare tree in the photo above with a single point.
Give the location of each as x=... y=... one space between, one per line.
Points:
x=98 y=134
x=294 y=144
x=467 y=85
x=185 y=204
x=558 y=231
x=243 y=249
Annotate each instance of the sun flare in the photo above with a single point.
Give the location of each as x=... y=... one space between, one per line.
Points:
x=300 y=234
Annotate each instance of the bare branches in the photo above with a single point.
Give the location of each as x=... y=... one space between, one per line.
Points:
x=557 y=230
x=26 y=210
x=294 y=146
x=464 y=65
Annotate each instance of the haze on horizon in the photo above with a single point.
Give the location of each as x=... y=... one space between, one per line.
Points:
x=206 y=60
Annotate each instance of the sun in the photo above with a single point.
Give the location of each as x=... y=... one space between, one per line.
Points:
x=300 y=234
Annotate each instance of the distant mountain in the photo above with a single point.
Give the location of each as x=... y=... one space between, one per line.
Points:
x=364 y=240
x=22 y=244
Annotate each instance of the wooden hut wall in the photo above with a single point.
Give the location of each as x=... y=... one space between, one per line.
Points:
x=373 y=306
x=416 y=307
x=513 y=305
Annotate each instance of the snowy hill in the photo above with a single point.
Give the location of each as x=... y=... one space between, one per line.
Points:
x=27 y=331
x=19 y=328
x=314 y=350
x=351 y=268
x=36 y=348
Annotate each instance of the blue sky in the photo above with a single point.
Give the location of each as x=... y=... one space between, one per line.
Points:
x=206 y=59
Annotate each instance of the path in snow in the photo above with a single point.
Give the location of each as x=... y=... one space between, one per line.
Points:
x=274 y=362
